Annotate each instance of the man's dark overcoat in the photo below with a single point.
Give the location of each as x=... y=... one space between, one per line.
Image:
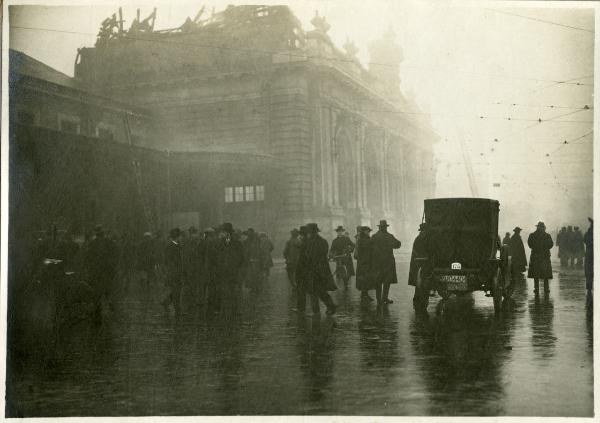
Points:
x=539 y=261
x=384 y=264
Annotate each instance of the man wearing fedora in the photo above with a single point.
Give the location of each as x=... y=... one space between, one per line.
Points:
x=313 y=270
x=384 y=263
x=540 y=267
x=343 y=246
x=517 y=251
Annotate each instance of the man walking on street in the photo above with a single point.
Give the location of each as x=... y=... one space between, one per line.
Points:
x=314 y=266
x=517 y=251
x=341 y=249
x=561 y=242
x=578 y=247
x=540 y=267
x=384 y=263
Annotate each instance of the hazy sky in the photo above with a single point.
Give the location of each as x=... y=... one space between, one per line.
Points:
x=460 y=61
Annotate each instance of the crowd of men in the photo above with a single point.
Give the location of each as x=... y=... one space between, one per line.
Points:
x=571 y=246
x=213 y=264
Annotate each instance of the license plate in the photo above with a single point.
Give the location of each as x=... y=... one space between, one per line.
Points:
x=455 y=282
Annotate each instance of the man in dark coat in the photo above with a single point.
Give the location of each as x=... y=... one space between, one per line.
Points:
x=174 y=270
x=561 y=242
x=291 y=253
x=517 y=252
x=588 y=239
x=230 y=259
x=364 y=258
x=343 y=246
x=101 y=261
x=253 y=260
x=314 y=268
x=540 y=267
x=578 y=247
x=420 y=250
x=301 y=274
x=569 y=244
x=266 y=250
x=384 y=263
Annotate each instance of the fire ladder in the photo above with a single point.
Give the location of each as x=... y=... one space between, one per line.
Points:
x=138 y=177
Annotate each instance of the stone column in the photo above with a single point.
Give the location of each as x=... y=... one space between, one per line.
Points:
x=358 y=165
x=334 y=165
x=382 y=165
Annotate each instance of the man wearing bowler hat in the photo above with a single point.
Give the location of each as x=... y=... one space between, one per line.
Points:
x=540 y=267
x=384 y=264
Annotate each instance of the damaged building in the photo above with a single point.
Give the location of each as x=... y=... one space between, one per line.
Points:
x=250 y=119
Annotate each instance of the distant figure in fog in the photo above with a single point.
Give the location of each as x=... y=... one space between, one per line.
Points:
x=506 y=239
x=569 y=244
x=364 y=263
x=588 y=239
x=253 y=256
x=230 y=259
x=174 y=270
x=291 y=253
x=540 y=267
x=146 y=258
x=101 y=261
x=517 y=251
x=314 y=268
x=561 y=242
x=266 y=250
x=384 y=263
x=578 y=247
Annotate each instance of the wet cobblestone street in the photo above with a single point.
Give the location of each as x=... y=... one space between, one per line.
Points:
x=535 y=358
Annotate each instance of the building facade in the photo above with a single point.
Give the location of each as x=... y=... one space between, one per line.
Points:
x=250 y=79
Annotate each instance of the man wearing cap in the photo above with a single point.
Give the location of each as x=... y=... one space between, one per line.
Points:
x=516 y=250
x=540 y=267
x=313 y=268
x=364 y=261
x=291 y=253
x=101 y=262
x=343 y=247
x=384 y=264
x=174 y=270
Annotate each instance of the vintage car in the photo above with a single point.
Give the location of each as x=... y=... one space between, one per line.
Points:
x=459 y=251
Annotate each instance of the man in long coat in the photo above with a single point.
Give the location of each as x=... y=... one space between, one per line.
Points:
x=364 y=263
x=517 y=251
x=540 y=267
x=561 y=243
x=420 y=249
x=569 y=245
x=230 y=259
x=578 y=247
x=314 y=268
x=384 y=263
